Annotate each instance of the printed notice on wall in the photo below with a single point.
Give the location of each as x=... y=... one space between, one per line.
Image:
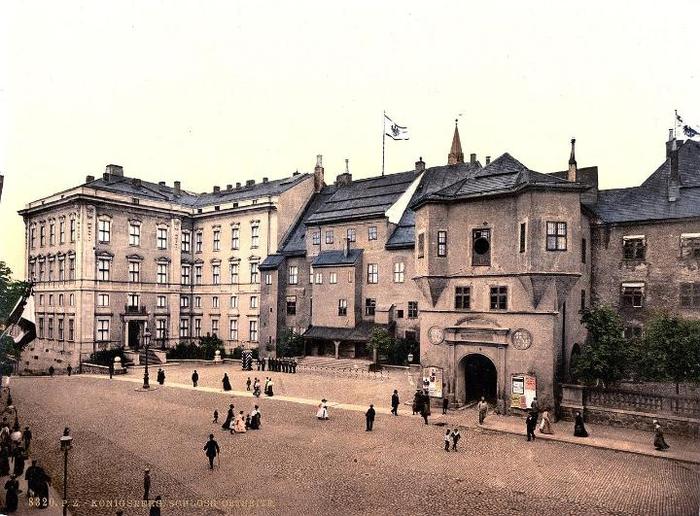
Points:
x=523 y=391
x=432 y=381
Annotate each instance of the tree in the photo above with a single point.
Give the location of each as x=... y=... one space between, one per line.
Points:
x=670 y=350
x=290 y=344
x=604 y=358
x=10 y=291
x=210 y=344
x=380 y=343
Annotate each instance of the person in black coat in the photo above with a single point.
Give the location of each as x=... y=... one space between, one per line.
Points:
x=27 y=438
x=445 y=404
x=395 y=403
x=229 y=418
x=212 y=450
x=530 y=425
x=579 y=427
x=12 y=496
x=226 y=382
x=161 y=376
x=369 y=417
x=19 y=457
x=195 y=378
x=155 y=507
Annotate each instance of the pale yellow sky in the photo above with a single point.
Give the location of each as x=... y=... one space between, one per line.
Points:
x=216 y=92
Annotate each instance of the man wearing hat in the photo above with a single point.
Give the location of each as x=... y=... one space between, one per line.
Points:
x=146 y=483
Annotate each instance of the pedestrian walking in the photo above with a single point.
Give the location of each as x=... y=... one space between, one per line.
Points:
x=395 y=403
x=69 y=369
x=369 y=417
x=27 y=438
x=195 y=378
x=155 y=507
x=111 y=369
x=12 y=496
x=447 y=441
x=160 y=377
x=229 y=418
x=216 y=416
x=256 y=387
x=579 y=427
x=146 y=483
x=530 y=425
x=269 y=388
x=226 y=383
x=424 y=412
x=456 y=436
x=51 y=370
x=483 y=408
x=255 y=418
x=546 y=423
x=659 y=441
x=445 y=403
x=4 y=461
x=247 y=384
x=322 y=412
x=212 y=450
x=19 y=458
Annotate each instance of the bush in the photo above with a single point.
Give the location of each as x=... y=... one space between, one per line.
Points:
x=205 y=350
x=106 y=356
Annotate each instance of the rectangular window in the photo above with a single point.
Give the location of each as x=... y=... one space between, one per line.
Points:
x=633 y=295
x=160 y=302
x=293 y=275
x=52 y=234
x=253 y=301
x=134 y=234
x=216 y=274
x=198 y=301
x=583 y=300
x=254 y=237
x=523 y=229
x=351 y=235
x=442 y=243
x=132 y=300
x=42 y=267
x=162 y=273
x=233 y=269
x=370 y=305
x=62 y=232
x=329 y=236
x=41 y=327
x=71 y=330
x=49 y=331
x=399 y=272
x=499 y=298
x=134 y=272
x=215 y=302
x=634 y=247
x=234 y=301
x=184 y=327
x=103 y=329
x=556 y=236
x=690 y=295
x=291 y=305
x=162 y=238
x=633 y=332
x=316 y=238
x=32 y=237
x=372 y=233
x=584 y=250
x=184 y=302
x=198 y=274
x=198 y=238
x=268 y=278
x=160 y=330
x=215 y=327
x=481 y=247
x=235 y=238
x=690 y=245
x=61 y=269
x=185 y=242
x=102 y=299
x=463 y=299
x=351 y=276
x=333 y=278
x=342 y=307
x=217 y=239
x=254 y=273
x=372 y=273
x=412 y=309
x=72 y=230
x=102 y=269
x=233 y=329
x=103 y=230
x=253 y=331
x=319 y=278
x=185 y=275
x=60 y=328
x=71 y=268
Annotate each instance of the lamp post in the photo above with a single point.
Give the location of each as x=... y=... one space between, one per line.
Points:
x=146 y=341
x=66 y=444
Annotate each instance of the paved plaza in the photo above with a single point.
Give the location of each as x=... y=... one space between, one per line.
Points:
x=298 y=465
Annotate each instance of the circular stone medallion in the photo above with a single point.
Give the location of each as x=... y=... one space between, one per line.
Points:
x=521 y=339
x=436 y=335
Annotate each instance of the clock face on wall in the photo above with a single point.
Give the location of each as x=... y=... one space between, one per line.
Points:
x=521 y=339
x=436 y=335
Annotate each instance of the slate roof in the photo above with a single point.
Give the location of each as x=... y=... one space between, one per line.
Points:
x=334 y=258
x=649 y=201
x=360 y=333
x=146 y=189
x=272 y=262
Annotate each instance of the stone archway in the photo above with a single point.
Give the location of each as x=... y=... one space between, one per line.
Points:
x=480 y=378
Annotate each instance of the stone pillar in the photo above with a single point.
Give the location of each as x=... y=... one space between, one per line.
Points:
x=337 y=349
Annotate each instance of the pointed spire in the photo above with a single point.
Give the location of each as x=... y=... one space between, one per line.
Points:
x=456 y=155
x=572 y=174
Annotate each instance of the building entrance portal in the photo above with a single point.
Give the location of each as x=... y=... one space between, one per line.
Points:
x=480 y=378
x=134 y=333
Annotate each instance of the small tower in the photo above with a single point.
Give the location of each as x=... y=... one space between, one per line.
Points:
x=571 y=176
x=456 y=155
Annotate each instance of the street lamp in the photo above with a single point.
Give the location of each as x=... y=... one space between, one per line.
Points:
x=66 y=444
x=146 y=341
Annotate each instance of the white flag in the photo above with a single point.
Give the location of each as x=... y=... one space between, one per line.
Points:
x=395 y=131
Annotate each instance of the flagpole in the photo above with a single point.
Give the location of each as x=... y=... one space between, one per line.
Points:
x=383 y=138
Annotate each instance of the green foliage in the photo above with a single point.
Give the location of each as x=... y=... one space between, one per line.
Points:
x=290 y=344
x=398 y=354
x=380 y=341
x=106 y=356
x=604 y=359
x=205 y=350
x=10 y=291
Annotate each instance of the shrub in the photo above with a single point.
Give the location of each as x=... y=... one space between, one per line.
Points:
x=106 y=356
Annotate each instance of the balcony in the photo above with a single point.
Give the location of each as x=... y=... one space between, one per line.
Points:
x=134 y=310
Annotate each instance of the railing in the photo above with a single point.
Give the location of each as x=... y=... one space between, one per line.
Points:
x=134 y=310
x=640 y=402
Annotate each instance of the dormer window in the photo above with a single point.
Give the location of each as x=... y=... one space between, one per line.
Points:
x=634 y=247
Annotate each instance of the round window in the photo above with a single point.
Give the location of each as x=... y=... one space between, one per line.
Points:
x=481 y=246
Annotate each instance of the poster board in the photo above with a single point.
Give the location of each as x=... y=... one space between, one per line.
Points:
x=523 y=389
x=432 y=381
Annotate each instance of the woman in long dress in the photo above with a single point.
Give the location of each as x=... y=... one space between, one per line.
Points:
x=546 y=424
x=659 y=441
x=269 y=388
x=579 y=428
x=4 y=462
x=322 y=412
x=239 y=425
x=229 y=418
x=226 y=382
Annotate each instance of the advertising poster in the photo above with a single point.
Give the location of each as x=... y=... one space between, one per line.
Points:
x=523 y=391
x=432 y=381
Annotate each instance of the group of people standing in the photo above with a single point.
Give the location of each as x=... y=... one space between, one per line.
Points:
x=239 y=424
x=278 y=365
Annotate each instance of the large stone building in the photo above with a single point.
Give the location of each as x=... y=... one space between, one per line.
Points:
x=487 y=266
x=117 y=255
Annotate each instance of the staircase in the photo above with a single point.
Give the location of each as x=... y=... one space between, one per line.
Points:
x=152 y=357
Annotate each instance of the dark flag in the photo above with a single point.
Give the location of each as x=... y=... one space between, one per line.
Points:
x=23 y=316
x=689 y=131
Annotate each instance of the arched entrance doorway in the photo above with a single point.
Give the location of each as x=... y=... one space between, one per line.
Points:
x=480 y=378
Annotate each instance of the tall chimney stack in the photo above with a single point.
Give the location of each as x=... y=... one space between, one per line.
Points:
x=571 y=175
x=420 y=165
x=318 y=174
x=488 y=159
x=346 y=247
x=176 y=188
x=472 y=158
x=217 y=189
x=115 y=170
x=674 y=180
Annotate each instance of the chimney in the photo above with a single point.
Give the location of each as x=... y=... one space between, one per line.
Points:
x=674 y=180
x=420 y=165
x=488 y=159
x=345 y=178
x=106 y=176
x=264 y=180
x=573 y=171
x=216 y=189
x=161 y=183
x=229 y=188
x=250 y=182
x=238 y=186
x=115 y=170
x=176 y=188
x=319 y=182
x=136 y=182
x=346 y=247
x=472 y=158
x=89 y=179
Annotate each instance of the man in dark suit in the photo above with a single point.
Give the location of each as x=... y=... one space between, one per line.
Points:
x=395 y=403
x=212 y=450
x=369 y=416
